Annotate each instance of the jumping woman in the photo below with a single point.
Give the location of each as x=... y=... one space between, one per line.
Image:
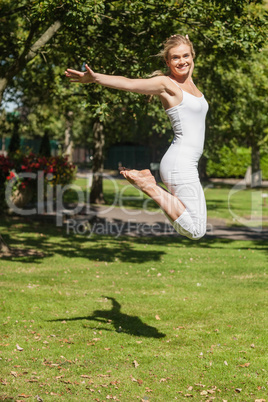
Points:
x=184 y=203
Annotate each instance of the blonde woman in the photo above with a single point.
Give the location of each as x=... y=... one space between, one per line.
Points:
x=184 y=203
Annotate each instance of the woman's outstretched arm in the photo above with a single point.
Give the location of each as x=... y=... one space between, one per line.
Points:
x=147 y=86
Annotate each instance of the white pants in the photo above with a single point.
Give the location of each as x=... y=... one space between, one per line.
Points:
x=192 y=222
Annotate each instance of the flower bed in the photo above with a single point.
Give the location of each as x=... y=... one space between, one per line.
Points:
x=22 y=172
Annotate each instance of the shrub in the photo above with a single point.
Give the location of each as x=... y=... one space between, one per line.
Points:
x=264 y=165
x=233 y=162
x=54 y=170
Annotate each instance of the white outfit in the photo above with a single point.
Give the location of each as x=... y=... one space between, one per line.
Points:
x=178 y=167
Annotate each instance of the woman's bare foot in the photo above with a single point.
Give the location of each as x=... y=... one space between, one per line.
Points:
x=142 y=179
x=145 y=181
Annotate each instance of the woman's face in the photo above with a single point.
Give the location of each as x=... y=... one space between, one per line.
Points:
x=180 y=60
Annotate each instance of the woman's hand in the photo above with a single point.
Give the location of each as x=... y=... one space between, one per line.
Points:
x=86 y=77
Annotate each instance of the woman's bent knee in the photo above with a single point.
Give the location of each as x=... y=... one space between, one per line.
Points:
x=192 y=234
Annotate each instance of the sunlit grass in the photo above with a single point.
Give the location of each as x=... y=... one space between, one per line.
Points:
x=157 y=318
x=237 y=206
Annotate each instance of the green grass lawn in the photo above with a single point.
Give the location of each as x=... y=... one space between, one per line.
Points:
x=127 y=319
x=237 y=206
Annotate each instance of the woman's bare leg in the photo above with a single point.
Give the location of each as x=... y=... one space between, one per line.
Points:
x=145 y=181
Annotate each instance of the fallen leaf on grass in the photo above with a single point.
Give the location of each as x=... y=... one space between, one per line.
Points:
x=238 y=390
x=244 y=365
x=115 y=382
x=19 y=348
x=136 y=364
x=211 y=391
x=85 y=376
x=157 y=317
x=64 y=340
x=140 y=382
x=24 y=396
x=203 y=393
x=188 y=395
x=14 y=373
x=260 y=400
x=39 y=398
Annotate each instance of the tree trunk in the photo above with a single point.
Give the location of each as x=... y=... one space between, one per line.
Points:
x=68 y=142
x=4 y=249
x=256 y=174
x=96 y=193
x=3 y=85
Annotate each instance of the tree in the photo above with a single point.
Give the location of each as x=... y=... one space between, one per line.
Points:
x=132 y=32
x=33 y=25
x=14 y=144
x=44 y=149
x=250 y=117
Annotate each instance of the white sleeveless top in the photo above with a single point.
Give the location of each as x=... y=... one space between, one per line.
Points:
x=180 y=162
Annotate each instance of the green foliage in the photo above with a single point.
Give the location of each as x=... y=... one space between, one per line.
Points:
x=264 y=165
x=230 y=162
x=233 y=161
x=122 y=37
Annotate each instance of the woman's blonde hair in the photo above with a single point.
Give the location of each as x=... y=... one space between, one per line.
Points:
x=174 y=40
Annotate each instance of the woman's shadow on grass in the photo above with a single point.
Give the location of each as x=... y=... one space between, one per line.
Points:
x=124 y=323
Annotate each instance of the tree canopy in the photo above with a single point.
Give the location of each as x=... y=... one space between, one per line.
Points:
x=40 y=39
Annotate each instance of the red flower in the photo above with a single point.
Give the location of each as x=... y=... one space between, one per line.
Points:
x=12 y=174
